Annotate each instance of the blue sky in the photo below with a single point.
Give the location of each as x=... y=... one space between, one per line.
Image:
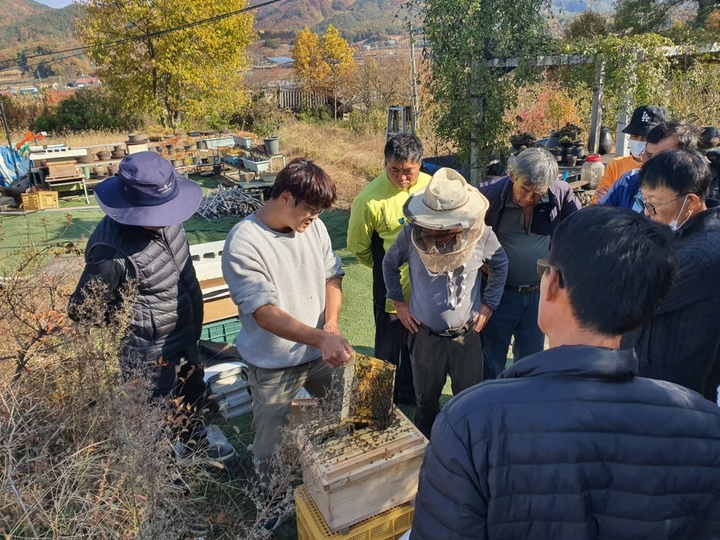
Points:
x=55 y=3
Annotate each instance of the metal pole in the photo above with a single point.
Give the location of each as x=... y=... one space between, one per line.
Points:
x=477 y=171
x=625 y=110
x=596 y=121
x=7 y=134
x=413 y=75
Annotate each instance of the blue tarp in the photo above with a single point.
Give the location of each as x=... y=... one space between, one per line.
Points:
x=7 y=168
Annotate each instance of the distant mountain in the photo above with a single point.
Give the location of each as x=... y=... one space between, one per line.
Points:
x=14 y=11
x=26 y=23
x=356 y=19
x=577 y=6
x=46 y=24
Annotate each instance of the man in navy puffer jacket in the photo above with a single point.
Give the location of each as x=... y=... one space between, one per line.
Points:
x=569 y=443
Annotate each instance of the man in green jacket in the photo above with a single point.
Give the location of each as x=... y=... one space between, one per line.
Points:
x=376 y=219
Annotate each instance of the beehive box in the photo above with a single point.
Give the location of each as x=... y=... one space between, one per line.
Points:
x=361 y=474
x=40 y=200
x=388 y=525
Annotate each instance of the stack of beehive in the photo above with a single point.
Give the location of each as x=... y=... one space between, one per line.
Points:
x=361 y=483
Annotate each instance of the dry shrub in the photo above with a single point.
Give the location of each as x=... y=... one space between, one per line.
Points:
x=83 y=453
x=351 y=160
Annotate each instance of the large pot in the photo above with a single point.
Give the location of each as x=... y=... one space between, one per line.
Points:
x=272 y=145
x=606 y=142
x=103 y=155
x=579 y=151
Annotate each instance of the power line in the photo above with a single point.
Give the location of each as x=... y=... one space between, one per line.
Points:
x=30 y=67
x=148 y=35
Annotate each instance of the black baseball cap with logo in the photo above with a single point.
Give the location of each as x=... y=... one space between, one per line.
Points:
x=645 y=118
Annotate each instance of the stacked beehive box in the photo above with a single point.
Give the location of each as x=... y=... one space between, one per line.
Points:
x=366 y=469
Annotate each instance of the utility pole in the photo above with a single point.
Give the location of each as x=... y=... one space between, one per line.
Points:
x=596 y=120
x=413 y=76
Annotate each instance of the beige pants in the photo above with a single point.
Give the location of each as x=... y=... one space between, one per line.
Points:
x=272 y=393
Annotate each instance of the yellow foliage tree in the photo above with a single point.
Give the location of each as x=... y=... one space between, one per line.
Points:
x=310 y=67
x=171 y=74
x=322 y=64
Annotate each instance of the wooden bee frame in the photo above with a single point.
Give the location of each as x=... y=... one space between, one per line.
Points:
x=368 y=385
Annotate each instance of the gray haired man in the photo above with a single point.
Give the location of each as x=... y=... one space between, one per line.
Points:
x=525 y=209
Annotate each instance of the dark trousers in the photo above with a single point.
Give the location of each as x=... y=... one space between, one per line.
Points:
x=391 y=345
x=433 y=359
x=516 y=316
x=177 y=375
x=180 y=374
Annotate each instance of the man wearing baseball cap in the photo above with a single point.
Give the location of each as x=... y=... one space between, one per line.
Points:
x=141 y=243
x=643 y=120
x=444 y=246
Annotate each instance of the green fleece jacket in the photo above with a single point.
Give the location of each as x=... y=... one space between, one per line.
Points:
x=375 y=221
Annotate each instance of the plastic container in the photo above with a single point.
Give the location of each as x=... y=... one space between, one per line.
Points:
x=591 y=171
x=389 y=525
x=40 y=200
x=221 y=331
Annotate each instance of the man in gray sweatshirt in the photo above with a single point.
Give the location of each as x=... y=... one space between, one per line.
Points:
x=445 y=247
x=286 y=281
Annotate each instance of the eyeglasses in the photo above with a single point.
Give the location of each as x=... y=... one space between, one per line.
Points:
x=543 y=266
x=313 y=211
x=652 y=208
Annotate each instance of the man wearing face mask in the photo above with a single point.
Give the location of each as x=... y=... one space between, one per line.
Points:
x=665 y=136
x=643 y=120
x=682 y=341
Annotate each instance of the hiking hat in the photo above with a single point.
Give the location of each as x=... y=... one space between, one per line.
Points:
x=447 y=202
x=645 y=118
x=148 y=192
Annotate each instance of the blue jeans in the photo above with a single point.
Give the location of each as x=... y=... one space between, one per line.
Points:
x=516 y=316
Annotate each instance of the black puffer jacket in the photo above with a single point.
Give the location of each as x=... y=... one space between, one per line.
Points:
x=570 y=444
x=167 y=317
x=682 y=341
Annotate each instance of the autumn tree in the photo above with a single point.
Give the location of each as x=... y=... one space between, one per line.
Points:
x=472 y=95
x=308 y=62
x=588 y=25
x=158 y=69
x=323 y=64
x=383 y=81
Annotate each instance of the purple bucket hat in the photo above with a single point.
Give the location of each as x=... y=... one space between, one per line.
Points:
x=148 y=192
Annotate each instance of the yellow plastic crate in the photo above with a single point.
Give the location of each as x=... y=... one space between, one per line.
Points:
x=40 y=200
x=390 y=525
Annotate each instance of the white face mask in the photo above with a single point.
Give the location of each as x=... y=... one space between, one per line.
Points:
x=636 y=147
x=674 y=223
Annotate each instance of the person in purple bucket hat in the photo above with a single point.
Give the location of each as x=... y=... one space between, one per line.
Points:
x=141 y=242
